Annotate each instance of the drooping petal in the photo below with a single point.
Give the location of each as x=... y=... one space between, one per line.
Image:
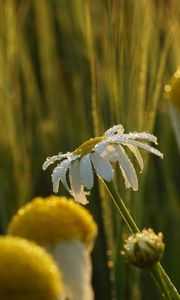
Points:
x=126 y=180
x=116 y=129
x=127 y=167
x=77 y=189
x=101 y=146
x=144 y=146
x=110 y=154
x=50 y=160
x=81 y=196
x=86 y=171
x=135 y=135
x=142 y=135
x=137 y=154
x=102 y=166
x=74 y=177
x=60 y=172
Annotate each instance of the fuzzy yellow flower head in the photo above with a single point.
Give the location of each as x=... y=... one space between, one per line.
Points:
x=27 y=272
x=51 y=220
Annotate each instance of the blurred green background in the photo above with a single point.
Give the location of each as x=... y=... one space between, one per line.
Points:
x=69 y=69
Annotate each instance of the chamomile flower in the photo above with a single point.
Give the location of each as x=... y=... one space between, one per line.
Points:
x=66 y=230
x=27 y=271
x=76 y=169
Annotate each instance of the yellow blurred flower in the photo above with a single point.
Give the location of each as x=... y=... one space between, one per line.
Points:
x=53 y=219
x=27 y=271
x=65 y=229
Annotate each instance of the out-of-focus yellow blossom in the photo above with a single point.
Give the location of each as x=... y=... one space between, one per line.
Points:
x=172 y=90
x=52 y=220
x=67 y=231
x=27 y=271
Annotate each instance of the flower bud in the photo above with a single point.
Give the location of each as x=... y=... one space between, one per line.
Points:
x=144 y=249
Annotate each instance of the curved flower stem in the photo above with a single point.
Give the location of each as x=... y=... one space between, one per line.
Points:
x=168 y=290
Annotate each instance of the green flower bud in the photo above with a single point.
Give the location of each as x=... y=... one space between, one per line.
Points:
x=144 y=249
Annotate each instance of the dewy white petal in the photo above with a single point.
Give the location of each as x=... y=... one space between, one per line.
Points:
x=86 y=171
x=127 y=166
x=142 y=135
x=77 y=189
x=136 y=135
x=137 y=154
x=100 y=147
x=81 y=196
x=102 y=166
x=73 y=259
x=110 y=154
x=116 y=129
x=59 y=172
x=50 y=160
x=74 y=177
x=144 y=146
x=127 y=184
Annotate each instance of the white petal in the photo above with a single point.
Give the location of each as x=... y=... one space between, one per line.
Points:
x=137 y=154
x=127 y=184
x=102 y=166
x=81 y=196
x=59 y=172
x=50 y=160
x=86 y=172
x=127 y=167
x=74 y=262
x=144 y=146
x=142 y=135
x=133 y=136
x=77 y=189
x=104 y=149
x=116 y=129
x=110 y=154
x=74 y=177
x=100 y=147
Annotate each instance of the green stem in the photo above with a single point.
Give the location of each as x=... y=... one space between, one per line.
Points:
x=168 y=290
x=121 y=206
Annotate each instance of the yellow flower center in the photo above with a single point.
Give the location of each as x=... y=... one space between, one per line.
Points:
x=87 y=146
x=53 y=220
x=27 y=271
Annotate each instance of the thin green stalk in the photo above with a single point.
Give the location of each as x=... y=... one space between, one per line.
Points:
x=168 y=290
x=121 y=206
x=160 y=275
